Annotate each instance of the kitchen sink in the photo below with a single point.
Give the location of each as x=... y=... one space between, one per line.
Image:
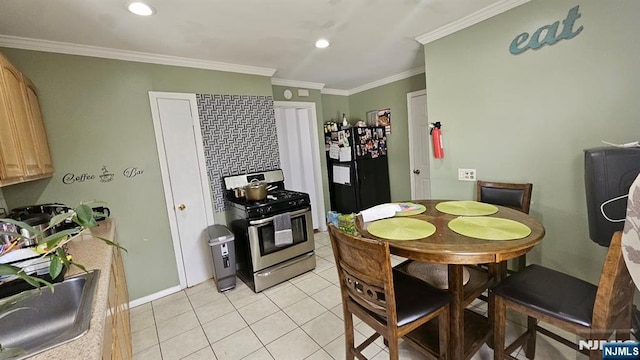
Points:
x=39 y=319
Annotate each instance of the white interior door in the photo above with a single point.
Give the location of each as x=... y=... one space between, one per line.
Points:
x=300 y=153
x=419 y=145
x=179 y=141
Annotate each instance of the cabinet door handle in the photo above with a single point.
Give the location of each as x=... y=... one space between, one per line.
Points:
x=182 y=207
x=416 y=171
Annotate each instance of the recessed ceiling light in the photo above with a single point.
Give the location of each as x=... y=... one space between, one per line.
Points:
x=141 y=9
x=322 y=43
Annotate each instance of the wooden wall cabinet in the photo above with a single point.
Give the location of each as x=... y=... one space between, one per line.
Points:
x=117 y=331
x=43 y=155
x=24 y=150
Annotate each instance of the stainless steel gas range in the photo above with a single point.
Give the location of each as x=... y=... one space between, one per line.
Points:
x=262 y=262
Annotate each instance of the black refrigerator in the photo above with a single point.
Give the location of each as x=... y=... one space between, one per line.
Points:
x=358 y=168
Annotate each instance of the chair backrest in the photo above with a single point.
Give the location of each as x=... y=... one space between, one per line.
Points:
x=615 y=288
x=365 y=272
x=513 y=195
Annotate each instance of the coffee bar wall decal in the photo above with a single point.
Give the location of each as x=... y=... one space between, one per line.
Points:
x=550 y=32
x=105 y=176
x=132 y=172
x=70 y=178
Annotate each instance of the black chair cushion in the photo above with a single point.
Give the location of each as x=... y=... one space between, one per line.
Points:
x=415 y=298
x=504 y=197
x=551 y=292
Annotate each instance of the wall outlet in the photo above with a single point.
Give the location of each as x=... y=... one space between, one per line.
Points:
x=467 y=174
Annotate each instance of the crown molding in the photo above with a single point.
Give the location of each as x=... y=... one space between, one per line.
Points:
x=327 y=91
x=298 y=84
x=387 y=80
x=107 y=53
x=469 y=20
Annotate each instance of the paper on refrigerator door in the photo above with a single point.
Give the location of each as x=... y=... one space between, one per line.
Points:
x=345 y=154
x=334 y=151
x=341 y=175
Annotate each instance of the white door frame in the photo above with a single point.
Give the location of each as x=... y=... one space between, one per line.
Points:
x=311 y=109
x=164 y=171
x=411 y=144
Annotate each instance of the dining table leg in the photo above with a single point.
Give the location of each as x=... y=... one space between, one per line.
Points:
x=456 y=313
x=497 y=271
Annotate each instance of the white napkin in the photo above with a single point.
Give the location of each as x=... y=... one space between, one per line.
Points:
x=380 y=212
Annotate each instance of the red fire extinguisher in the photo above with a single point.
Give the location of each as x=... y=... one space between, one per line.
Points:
x=436 y=137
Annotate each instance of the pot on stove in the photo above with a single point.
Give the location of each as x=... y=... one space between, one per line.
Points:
x=256 y=190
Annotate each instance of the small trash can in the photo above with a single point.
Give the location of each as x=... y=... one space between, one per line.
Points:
x=221 y=242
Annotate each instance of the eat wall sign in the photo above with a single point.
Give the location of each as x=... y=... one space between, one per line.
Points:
x=548 y=34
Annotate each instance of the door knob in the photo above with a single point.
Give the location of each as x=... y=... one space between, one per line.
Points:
x=416 y=171
x=182 y=207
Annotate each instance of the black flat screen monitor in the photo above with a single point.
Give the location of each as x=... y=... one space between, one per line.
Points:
x=608 y=173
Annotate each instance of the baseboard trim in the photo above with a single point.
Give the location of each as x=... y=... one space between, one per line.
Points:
x=154 y=296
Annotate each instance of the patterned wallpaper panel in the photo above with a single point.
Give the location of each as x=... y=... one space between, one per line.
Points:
x=239 y=135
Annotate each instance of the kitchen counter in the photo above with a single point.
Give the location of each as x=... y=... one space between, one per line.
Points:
x=92 y=253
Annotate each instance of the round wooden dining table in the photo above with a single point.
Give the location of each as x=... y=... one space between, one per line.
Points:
x=448 y=247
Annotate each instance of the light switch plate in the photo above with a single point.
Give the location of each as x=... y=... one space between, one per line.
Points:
x=467 y=174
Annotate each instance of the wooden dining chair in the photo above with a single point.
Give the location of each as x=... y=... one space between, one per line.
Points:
x=389 y=301
x=589 y=311
x=513 y=195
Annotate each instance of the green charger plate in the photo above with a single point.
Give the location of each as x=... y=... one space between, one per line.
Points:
x=401 y=228
x=410 y=209
x=489 y=228
x=466 y=208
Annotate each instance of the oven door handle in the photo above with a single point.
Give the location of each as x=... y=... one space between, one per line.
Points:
x=270 y=219
x=286 y=264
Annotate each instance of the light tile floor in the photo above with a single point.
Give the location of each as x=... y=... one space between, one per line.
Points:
x=298 y=319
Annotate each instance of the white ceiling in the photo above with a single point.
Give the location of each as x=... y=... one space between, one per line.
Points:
x=370 y=39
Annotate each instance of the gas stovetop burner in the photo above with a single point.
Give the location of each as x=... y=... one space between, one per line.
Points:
x=272 y=196
x=278 y=200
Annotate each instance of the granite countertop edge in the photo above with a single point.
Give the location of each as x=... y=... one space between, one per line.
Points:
x=92 y=253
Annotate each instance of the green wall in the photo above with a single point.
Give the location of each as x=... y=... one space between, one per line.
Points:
x=394 y=96
x=334 y=106
x=97 y=113
x=528 y=117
